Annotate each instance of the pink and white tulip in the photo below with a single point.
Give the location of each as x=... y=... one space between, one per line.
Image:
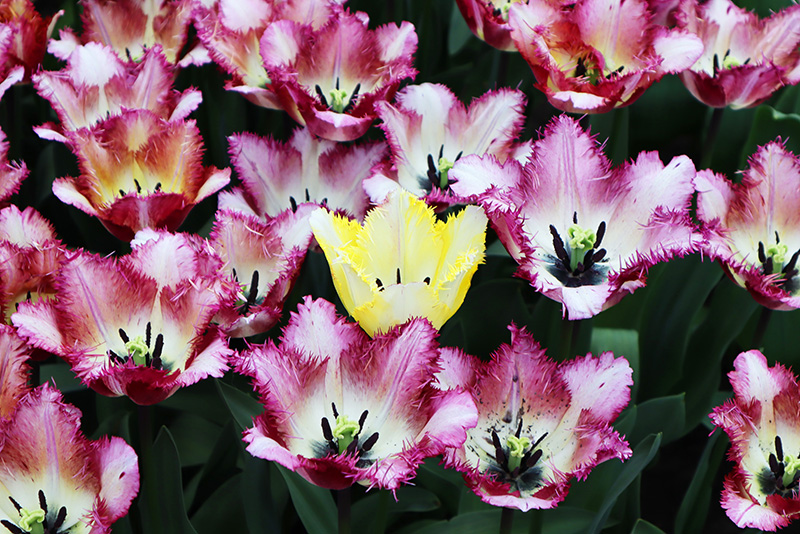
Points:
x=540 y=423
x=342 y=408
x=584 y=234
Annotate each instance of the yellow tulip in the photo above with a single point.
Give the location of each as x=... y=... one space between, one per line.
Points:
x=402 y=262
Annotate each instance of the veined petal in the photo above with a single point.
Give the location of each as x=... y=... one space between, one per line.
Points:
x=539 y=423
x=48 y=465
x=374 y=394
x=761 y=422
x=13 y=370
x=753 y=227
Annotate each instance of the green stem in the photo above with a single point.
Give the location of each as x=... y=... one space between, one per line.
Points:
x=506 y=520
x=537 y=522
x=711 y=137
x=343 y=501
x=761 y=327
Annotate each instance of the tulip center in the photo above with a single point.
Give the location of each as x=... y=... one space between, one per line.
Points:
x=338 y=100
x=576 y=259
x=774 y=259
x=516 y=462
x=139 y=350
x=728 y=62
x=783 y=477
x=502 y=10
x=36 y=521
x=249 y=294
x=438 y=169
x=345 y=435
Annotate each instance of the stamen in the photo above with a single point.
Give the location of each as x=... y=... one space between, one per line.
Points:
x=433 y=171
x=427 y=280
x=369 y=442
x=789 y=268
x=15 y=503
x=308 y=198
x=159 y=347
x=121 y=193
x=379 y=284
x=574 y=217
x=558 y=244
x=293 y=204
x=534 y=458
x=60 y=518
x=762 y=255
x=398 y=276
x=138 y=187
x=42 y=501
x=158 y=187
x=333 y=407
x=499 y=454
x=538 y=441
x=147 y=334
x=14 y=529
x=362 y=419
x=321 y=95
x=327 y=433
x=519 y=428
x=123 y=336
x=779 y=448
x=601 y=231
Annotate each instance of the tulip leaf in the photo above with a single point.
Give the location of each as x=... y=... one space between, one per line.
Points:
x=458 y=33
x=643 y=453
x=644 y=527
x=242 y=406
x=223 y=511
x=469 y=523
x=564 y=520
x=674 y=300
x=730 y=309
x=161 y=495
x=664 y=414
x=694 y=508
x=769 y=124
x=314 y=505
x=612 y=129
x=623 y=343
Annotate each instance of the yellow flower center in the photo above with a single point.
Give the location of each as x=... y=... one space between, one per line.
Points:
x=517 y=447
x=581 y=241
x=444 y=167
x=31 y=520
x=338 y=100
x=137 y=349
x=778 y=253
x=344 y=431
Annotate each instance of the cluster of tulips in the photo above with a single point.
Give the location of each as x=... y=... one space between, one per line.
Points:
x=367 y=392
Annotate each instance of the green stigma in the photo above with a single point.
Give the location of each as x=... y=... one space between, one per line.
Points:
x=580 y=241
x=778 y=253
x=338 y=100
x=31 y=521
x=444 y=167
x=791 y=466
x=137 y=349
x=517 y=447
x=728 y=62
x=345 y=431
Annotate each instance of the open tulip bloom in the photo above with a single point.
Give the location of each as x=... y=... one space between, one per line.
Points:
x=98 y=84
x=428 y=129
x=402 y=262
x=139 y=326
x=753 y=227
x=52 y=479
x=277 y=176
x=342 y=408
x=763 y=424
x=596 y=55
x=540 y=423
x=584 y=234
x=745 y=59
x=330 y=79
x=231 y=31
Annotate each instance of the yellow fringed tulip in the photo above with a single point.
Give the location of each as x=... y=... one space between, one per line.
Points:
x=402 y=262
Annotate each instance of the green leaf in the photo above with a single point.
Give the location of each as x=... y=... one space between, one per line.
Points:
x=770 y=123
x=623 y=343
x=642 y=455
x=566 y=520
x=314 y=505
x=458 y=33
x=673 y=304
x=242 y=406
x=643 y=527
x=223 y=511
x=161 y=496
x=694 y=507
x=612 y=129
x=470 y=523
x=664 y=414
